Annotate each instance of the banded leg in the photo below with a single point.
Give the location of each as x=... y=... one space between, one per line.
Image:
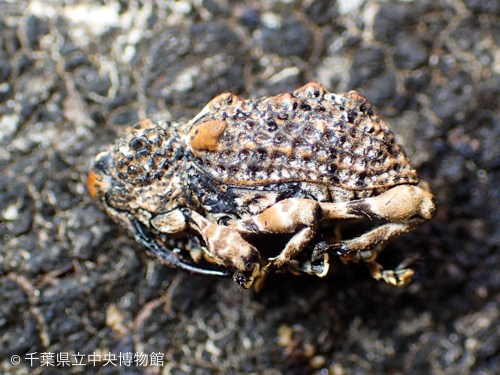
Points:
x=360 y=248
x=404 y=206
x=167 y=257
x=400 y=204
x=227 y=248
x=294 y=215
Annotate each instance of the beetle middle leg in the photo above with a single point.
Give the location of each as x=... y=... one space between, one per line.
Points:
x=294 y=215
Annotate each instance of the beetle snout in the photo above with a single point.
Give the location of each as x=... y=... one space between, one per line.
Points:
x=99 y=181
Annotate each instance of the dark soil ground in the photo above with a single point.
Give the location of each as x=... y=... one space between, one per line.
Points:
x=74 y=74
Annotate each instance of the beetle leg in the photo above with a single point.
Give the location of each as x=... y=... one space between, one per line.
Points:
x=401 y=276
x=292 y=248
x=227 y=248
x=404 y=206
x=400 y=204
x=359 y=248
x=166 y=256
x=311 y=267
x=398 y=277
x=163 y=254
x=294 y=215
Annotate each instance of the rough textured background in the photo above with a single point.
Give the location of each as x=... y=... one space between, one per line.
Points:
x=74 y=74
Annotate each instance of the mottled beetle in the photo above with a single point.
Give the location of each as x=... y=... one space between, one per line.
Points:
x=245 y=169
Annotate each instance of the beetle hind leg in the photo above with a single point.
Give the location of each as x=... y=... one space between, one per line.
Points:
x=400 y=276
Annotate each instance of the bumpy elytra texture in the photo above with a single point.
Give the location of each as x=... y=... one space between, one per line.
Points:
x=311 y=135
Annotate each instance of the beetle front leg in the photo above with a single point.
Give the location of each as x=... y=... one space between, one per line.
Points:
x=166 y=256
x=227 y=248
